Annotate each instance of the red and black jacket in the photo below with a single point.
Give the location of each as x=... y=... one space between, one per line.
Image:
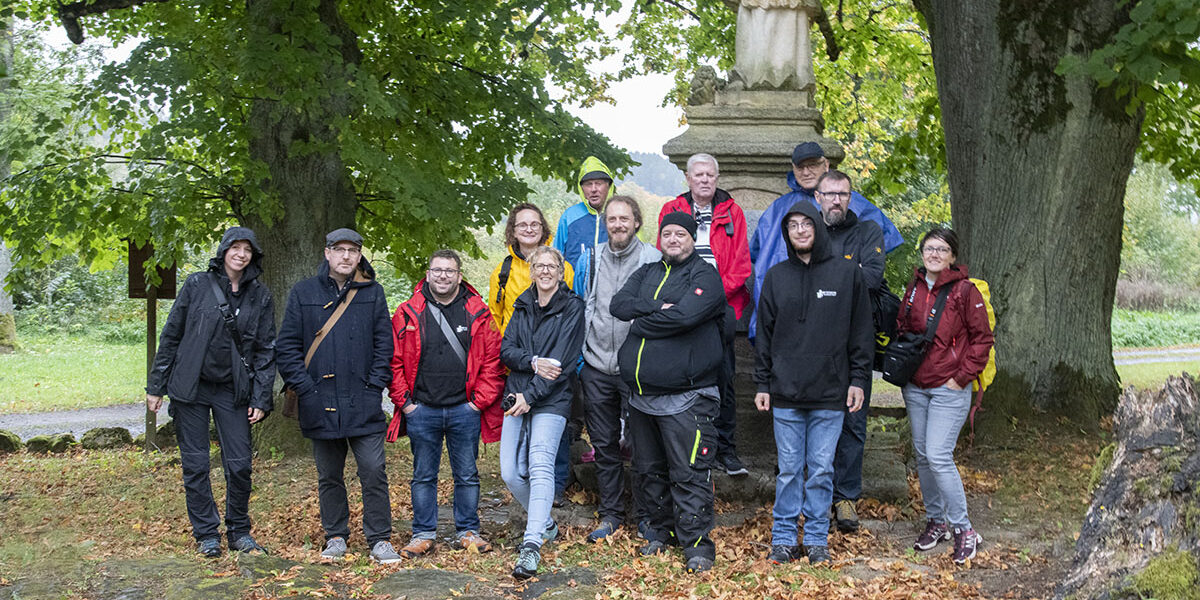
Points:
x=729 y=241
x=964 y=337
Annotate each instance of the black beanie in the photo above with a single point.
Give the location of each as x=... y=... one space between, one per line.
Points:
x=681 y=219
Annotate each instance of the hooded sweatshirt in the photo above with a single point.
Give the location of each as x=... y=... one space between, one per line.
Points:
x=816 y=336
x=581 y=230
x=195 y=342
x=606 y=333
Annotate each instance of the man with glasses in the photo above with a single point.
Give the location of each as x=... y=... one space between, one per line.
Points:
x=446 y=385
x=333 y=350
x=860 y=242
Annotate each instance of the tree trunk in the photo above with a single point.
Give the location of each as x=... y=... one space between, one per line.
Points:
x=1037 y=164
x=1141 y=536
x=312 y=186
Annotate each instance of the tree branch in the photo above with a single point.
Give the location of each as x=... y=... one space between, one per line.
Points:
x=689 y=12
x=70 y=13
x=831 y=45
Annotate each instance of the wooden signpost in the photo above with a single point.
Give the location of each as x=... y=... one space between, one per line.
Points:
x=139 y=288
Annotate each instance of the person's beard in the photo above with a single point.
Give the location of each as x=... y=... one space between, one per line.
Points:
x=835 y=218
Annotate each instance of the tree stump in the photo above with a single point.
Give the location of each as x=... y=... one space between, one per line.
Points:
x=1141 y=535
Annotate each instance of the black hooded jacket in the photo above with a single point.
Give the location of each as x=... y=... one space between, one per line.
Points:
x=341 y=390
x=195 y=341
x=553 y=331
x=815 y=333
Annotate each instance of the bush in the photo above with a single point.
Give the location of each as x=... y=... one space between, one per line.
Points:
x=1147 y=294
x=1144 y=329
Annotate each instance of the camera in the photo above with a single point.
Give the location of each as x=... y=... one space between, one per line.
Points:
x=509 y=401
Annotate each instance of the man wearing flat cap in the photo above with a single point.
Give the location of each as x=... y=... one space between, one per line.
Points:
x=334 y=351
x=670 y=361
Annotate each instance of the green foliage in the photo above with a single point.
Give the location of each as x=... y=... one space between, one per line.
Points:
x=425 y=109
x=1103 y=461
x=1160 y=240
x=1143 y=329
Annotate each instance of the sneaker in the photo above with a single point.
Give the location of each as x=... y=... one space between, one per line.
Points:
x=964 y=545
x=817 y=554
x=335 y=547
x=644 y=529
x=607 y=527
x=698 y=564
x=551 y=533
x=417 y=547
x=654 y=547
x=383 y=553
x=845 y=516
x=589 y=456
x=209 y=547
x=473 y=542
x=783 y=554
x=935 y=533
x=733 y=465
x=247 y=545
x=527 y=561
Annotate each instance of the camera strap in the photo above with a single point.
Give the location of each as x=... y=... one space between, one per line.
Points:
x=229 y=319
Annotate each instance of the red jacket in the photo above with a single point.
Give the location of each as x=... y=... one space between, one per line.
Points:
x=729 y=241
x=964 y=337
x=485 y=375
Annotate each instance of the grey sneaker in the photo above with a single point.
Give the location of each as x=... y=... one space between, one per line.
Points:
x=551 y=533
x=335 y=548
x=247 y=545
x=383 y=553
x=527 y=561
x=209 y=547
x=698 y=564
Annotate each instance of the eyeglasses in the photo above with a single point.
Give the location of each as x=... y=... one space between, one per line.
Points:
x=346 y=250
x=545 y=268
x=843 y=196
x=938 y=250
x=814 y=166
x=528 y=226
x=801 y=225
x=443 y=272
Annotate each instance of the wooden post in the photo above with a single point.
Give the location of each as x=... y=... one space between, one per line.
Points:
x=151 y=341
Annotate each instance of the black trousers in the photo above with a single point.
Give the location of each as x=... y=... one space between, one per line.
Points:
x=233 y=431
x=330 y=456
x=605 y=400
x=726 y=421
x=673 y=458
x=848 y=459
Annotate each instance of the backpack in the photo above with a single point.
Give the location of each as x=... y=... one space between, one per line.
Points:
x=885 y=307
x=989 y=370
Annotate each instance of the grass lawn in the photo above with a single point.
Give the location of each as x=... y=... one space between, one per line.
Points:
x=1145 y=375
x=57 y=373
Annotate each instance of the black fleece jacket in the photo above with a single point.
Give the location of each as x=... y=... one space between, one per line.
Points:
x=677 y=349
x=552 y=331
x=815 y=336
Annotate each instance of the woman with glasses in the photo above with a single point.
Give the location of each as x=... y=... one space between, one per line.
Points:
x=938 y=397
x=544 y=335
x=526 y=230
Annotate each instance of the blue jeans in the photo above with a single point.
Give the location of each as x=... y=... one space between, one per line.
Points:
x=427 y=426
x=804 y=438
x=936 y=415
x=528 y=445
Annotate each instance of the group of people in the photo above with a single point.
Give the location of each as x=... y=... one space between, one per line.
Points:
x=590 y=324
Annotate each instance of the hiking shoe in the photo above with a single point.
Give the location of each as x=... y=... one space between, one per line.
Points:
x=845 y=516
x=783 y=554
x=247 y=544
x=335 y=548
x=698 y=564
x=471 y=540
x=654 y=547
x=383 y=553
x=417 y=547
x=551 y=533
x=527 y=561
x=817 y=554
x=644 y=529
x=964 y=545
x=935 y=533
x=607 y=527
x=209 y=547
x=733 y=465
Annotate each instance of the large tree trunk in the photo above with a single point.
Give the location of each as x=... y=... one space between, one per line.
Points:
x=313 y=187
x=1038 y=164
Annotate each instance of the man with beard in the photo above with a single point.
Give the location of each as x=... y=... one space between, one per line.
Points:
x=670 y=360
x=813 y=361
x=605 y=396
x=860 y=242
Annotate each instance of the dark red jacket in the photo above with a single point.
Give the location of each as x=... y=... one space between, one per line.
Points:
x=729 y=241
x=485 y=375
x=960 y=347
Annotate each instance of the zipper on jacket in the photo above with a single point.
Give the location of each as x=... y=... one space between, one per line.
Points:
x=637 y=371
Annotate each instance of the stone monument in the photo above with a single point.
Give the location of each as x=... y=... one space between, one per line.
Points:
x=751 y=121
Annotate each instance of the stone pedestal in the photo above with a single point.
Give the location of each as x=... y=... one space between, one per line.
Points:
x=751 y=134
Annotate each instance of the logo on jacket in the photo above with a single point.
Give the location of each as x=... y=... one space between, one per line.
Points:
x=699 y=292
x=826 y=293
x=460 y=329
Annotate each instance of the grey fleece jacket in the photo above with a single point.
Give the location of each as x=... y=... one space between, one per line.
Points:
x=606 y=333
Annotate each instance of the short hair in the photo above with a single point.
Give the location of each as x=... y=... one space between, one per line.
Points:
x=446 y=253
x=701 y=157
x=834 y=175
x=510 y=228
x=541 y=250
x=633 y=206
x=941 y=233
